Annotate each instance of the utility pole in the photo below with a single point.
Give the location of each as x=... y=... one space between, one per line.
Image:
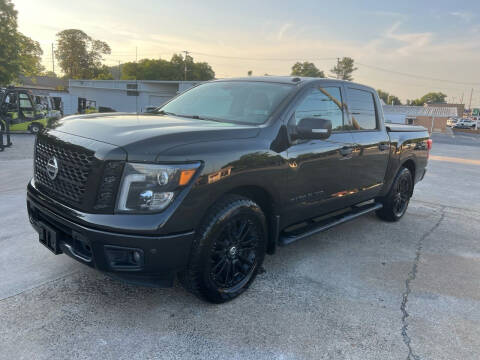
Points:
x=338 y=68
x=119 y=70
x=185 y=63
x=470 y=102
x=53 y=61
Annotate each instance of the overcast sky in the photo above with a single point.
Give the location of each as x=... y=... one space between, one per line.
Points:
x=432 y=39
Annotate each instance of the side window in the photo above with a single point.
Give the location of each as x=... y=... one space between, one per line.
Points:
x=362 y=109
x=324 y=103
x=26 y=107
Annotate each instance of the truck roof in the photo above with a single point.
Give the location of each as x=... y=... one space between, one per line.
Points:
x=290 y=80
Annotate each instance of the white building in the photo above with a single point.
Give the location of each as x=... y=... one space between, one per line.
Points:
x=126 y=95
x=405 y=114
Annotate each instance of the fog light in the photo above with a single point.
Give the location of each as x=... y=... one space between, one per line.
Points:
x=120 y=258
x=137 y=257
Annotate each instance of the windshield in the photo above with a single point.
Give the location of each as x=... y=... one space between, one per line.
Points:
x=235 y=101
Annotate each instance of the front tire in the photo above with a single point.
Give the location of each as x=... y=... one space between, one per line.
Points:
x=228 y=250
x=395 y=203
x=35 y=128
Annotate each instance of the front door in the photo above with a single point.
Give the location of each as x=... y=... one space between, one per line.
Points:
x=319 y=176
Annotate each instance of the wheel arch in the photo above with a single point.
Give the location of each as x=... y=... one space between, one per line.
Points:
x=410 y=165
x=266 y=202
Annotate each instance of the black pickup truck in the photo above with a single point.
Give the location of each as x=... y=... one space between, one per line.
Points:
x=218 y=177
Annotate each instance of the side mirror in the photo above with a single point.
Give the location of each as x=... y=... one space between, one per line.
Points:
x=313 y=128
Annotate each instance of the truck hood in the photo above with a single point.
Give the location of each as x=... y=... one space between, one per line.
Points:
x=128 y=130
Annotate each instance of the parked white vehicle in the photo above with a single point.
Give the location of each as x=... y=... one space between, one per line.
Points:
x=465 y=124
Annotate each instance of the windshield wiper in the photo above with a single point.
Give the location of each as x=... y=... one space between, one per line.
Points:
x=197 y=117
x=163 y=112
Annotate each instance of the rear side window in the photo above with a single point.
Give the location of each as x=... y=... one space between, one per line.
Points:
x=322 y=103
x=362 y=109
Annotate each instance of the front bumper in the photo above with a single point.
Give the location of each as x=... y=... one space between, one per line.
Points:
x=162 y=255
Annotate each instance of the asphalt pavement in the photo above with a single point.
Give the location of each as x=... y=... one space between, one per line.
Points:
x=365 y=290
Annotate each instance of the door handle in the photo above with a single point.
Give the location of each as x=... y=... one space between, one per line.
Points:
x=383 y=147
x=346 y=150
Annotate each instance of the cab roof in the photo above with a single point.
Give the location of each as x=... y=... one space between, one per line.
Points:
x=294 y=80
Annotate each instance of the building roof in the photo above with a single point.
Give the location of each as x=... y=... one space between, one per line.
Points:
x=414 y=111
x=43 y=82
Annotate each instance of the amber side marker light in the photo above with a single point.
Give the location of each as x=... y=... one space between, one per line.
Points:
x=185 y=176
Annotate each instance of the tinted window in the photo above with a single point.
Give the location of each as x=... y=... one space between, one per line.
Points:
x=324 y=103
x=362 y=109
x=233 y=101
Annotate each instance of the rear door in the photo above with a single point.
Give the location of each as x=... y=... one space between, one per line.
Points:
x=372 y=143
x=319 y=176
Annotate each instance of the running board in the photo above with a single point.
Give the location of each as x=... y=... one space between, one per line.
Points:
x=326 y=224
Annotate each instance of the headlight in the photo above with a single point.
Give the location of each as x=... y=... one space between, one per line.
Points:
x=152 y=187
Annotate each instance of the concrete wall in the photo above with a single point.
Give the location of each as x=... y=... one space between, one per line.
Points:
x=439 y=123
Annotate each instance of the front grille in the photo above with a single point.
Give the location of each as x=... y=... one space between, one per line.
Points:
x=74 y=167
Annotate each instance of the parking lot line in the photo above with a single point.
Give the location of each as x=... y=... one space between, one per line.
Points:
x=454 y=160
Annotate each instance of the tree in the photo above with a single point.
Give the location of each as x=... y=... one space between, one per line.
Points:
x=250 y=72
x=80 y=56
x=306 y=69
x=430 y=98
x=18 y=53
x=344 y=69
x=30 y=60
x=388 y=98
x=159 y=69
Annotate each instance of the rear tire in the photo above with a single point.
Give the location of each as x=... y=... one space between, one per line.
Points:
x=395 y=203
x=228 y=250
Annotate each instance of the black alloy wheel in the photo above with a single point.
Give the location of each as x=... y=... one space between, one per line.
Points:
x=395 y=203
x=233 y=258
x=402 y=194
x=228 y=250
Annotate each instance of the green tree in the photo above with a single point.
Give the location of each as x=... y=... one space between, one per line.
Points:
x=388 y=98
x=80 y=56
x=18 y=53
x=306 y=69
x=159 y=69
x=30 y=60
x=250 y=72
x=430 y=98
x=9 y=49
x=344 y=69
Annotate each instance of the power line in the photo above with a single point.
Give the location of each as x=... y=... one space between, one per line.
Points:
x=257 y=59
x=416 y=75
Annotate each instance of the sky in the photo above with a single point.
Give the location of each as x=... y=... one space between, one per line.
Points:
x=407 y=48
